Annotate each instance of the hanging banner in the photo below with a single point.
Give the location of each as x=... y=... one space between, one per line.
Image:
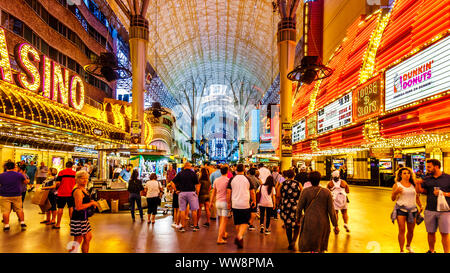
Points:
x=423 y=75
x=286 y=139
x=311 y=124
x=335 y=114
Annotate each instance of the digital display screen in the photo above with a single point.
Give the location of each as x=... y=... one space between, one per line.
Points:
x=385 y=164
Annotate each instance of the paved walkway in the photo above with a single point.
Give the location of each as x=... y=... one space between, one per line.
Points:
x=369 y=212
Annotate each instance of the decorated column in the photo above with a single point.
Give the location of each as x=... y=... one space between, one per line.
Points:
x=139 y=33
x=286 y=39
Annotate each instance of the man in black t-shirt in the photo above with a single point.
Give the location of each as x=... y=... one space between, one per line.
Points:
x=431 y=185
x=188 y=186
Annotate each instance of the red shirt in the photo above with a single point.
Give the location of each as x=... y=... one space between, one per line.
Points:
x=66 y=178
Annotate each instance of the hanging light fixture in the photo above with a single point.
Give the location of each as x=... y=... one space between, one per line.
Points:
x=310 y=70
x=107 y=67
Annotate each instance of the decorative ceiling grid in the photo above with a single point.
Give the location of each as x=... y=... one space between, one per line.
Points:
x=212 y=40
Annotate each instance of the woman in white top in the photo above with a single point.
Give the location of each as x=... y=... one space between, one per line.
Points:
x=406 y=198
x=266 y=203
x=152 y=190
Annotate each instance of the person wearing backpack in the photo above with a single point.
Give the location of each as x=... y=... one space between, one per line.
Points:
x=339 y=190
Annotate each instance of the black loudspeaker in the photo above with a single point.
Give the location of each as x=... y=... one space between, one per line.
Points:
x=108 y=73
x=309 y=64
x=156 y=106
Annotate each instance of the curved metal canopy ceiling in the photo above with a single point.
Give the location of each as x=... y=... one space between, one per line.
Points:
x=212 y=40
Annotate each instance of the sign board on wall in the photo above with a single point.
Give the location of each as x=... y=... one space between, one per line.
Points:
x=299 y=131
x=367 y=100
x=286 y=139
x=335 y=114
x=421 y=76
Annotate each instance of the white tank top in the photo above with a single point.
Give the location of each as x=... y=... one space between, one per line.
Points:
x=408 y=197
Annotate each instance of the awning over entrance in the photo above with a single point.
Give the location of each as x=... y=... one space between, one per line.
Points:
x=150 y=157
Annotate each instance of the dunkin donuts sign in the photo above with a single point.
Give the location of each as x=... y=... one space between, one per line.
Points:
x=40 y=74
x=419 y=77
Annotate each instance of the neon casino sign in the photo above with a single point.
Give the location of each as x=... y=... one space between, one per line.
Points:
x=41 y=75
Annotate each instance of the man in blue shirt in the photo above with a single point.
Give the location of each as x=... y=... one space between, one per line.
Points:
x=126 y=174
x=31 y=172
x=216 y=174
x=433 y=183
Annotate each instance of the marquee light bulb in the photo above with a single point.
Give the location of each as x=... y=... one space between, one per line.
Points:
x=5 y=66
x=31 y=79
x=60 y=85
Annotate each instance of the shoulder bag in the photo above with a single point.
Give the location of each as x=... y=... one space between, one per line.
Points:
x=312 y=201
x=258 y=195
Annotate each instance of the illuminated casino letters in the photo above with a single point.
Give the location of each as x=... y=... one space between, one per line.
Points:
x=30 y=79
x=41 y=75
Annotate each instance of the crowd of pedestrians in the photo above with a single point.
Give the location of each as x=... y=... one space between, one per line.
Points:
x=67 y=188
x=238 y=193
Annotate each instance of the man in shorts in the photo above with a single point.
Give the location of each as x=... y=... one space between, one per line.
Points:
x=64 y=183
x=11 y=195
x=435 y=181
x=188 y=186
x=239 y=193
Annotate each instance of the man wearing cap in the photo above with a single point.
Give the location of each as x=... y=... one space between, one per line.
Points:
x=339 y=190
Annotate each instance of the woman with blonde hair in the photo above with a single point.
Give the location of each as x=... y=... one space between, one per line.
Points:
x=405 y=210
x=80 y=227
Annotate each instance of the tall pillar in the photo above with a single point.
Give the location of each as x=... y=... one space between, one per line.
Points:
x=139 y=33
x=193 y=131
x=102 y=165
x=286 y=54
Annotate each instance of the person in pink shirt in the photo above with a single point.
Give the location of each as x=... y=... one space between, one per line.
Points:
x=220 y=193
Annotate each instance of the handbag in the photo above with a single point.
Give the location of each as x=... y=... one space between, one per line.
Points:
x=442 y=204
x=258 y=195
x=303 y=216
x=419 y=218
x=40 y=197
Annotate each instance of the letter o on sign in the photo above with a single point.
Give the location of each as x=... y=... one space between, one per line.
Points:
x=77 y=102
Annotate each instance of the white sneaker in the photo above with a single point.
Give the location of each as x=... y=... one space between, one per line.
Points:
x=178 y=226
x=410 y=250
x=174 y=225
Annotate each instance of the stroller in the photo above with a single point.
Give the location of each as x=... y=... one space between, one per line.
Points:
x=166 y=202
